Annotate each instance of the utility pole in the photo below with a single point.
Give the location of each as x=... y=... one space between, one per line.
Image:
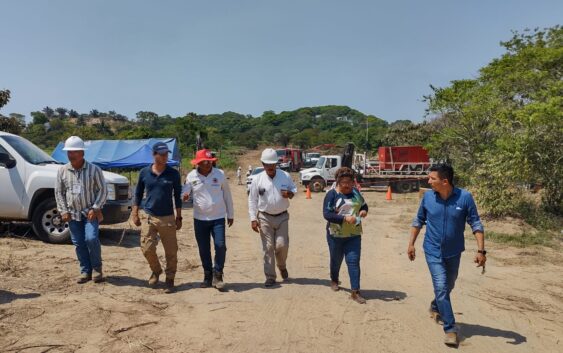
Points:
x=367 y=132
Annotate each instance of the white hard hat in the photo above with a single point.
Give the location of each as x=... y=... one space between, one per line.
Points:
x=74 y=143
x=269 y=156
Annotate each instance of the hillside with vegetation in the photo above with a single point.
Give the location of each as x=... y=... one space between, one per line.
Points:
x=501 y=130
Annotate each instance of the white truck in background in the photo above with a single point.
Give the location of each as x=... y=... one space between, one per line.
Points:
x=404 y=168
x=27 y=190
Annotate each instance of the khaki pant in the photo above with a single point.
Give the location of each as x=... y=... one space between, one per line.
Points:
x=165 y=227
x=275 y=242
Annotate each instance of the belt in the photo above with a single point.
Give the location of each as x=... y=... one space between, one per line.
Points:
x=273 y=215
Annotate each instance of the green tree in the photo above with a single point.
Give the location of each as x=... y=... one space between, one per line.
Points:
x=4 y=97
x=147 y=118
x=61 y=112
x=18 y=117
x=48 y=111
x=503 y=129
x=39 y=118
x=11 y=124
x=73 y=114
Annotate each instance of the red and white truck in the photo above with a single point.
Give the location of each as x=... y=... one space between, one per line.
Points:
x=290 y=159
x=404 y=168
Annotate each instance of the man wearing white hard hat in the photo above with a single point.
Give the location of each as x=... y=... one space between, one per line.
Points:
x=81 y=192
x=268 y=202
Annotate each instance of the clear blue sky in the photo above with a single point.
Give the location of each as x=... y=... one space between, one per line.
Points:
x=211 y=56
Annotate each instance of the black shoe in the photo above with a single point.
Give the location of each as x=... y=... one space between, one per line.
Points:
x=169 y=286
x=207 y=280
x=284 y=274
x=435 y=315
x=269 y=282
x=218 y=280
x=84 y=277
x=98 y=275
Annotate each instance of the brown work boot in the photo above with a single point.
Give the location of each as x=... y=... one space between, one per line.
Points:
x=97 y=275
x=334 y=285
x=169 y=286
x=357 y=297
x=435 y=316
x=153 y=280
x=451 y=339
x=84 y=277
x=218 y=280
x=207 y=280
x=284 y=274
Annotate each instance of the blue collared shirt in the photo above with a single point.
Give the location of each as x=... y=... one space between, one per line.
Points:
x=445 y=222
x=160 y=190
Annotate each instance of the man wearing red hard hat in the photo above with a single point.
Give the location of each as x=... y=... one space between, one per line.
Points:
x=209 y=189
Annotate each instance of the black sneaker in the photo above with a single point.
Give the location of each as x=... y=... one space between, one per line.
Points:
x=218 y=280
x=269 y=282
x=207 y=280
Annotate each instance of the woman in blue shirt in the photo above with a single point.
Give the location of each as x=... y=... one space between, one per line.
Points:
x=343 y=208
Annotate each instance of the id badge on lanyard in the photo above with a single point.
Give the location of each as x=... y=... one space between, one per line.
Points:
x=76 y=188
x=77 y=185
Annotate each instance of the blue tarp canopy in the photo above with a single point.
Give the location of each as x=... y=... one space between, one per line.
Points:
x=122 y=153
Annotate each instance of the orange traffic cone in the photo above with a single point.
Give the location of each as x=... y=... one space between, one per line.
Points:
x=389 y=195
x=308 y=194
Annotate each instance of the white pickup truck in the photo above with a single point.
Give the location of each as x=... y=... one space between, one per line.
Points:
x=368 y=176
x=27 y=190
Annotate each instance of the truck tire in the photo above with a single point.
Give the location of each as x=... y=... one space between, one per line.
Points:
x=47 y=223
x=317 y=184
x=403 y=187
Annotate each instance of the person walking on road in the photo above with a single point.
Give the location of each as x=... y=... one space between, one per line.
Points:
x=268 y=201
x=344 y=208
x=239 y=175
x=162 y=184
x=212 y=200
x=81 y=192
x=444 y=211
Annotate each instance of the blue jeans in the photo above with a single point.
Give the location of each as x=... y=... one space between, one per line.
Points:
x=444 y=274
x=349 y=248
x=84 y=235
x=204 y=230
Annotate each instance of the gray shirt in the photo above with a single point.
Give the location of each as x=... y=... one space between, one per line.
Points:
x=79 y=190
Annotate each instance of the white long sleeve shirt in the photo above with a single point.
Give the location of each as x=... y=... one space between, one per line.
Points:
x=211 y=195
x=265 y=193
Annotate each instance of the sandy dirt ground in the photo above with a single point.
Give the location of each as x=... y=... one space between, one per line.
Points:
x=516 y=306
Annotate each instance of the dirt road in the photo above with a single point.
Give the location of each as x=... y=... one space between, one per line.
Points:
x=517 y=306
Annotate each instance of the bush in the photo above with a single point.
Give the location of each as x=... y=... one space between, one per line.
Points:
x=540 y=238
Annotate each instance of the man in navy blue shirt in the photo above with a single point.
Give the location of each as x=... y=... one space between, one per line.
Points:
x=162 y=185
x=444 y=212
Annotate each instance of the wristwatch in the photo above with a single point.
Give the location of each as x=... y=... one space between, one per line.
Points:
x=484 y=252
x=179 y=217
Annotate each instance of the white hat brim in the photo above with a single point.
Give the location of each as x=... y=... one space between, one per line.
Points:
x=269 y=161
